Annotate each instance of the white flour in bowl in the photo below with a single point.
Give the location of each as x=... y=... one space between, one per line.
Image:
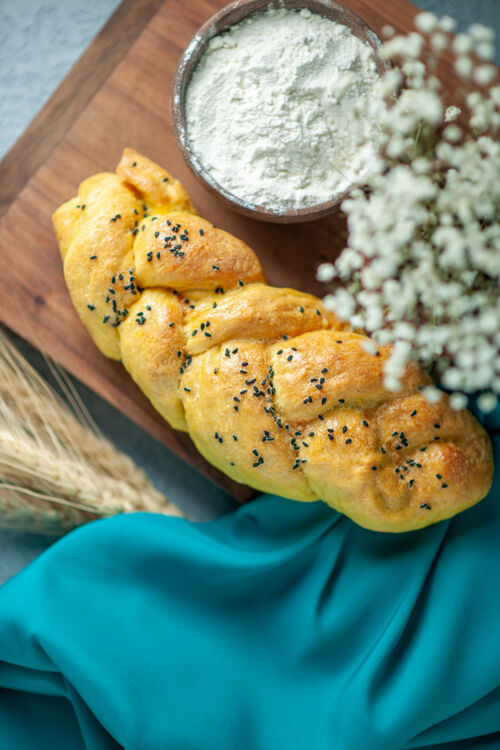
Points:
x=269 y=108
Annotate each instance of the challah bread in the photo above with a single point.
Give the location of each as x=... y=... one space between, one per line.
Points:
x=273 y=389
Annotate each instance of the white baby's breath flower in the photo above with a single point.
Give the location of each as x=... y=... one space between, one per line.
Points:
x=392 y=383
x=463 y=66
x=426 y=22
x=446 y=23
x=330 y=302
x=439 y=41
x=432 y=394
x=452 y=133
x=369 y=346
x=391 y=82
x=484 y=74
x=452 y=113
x=421 y=269
x=487 y=402
x=388 y=31
x=458 y=401
x=325 y=272
x=396 y=147
x=481 y=33
x=485 y=50
x=462 y=44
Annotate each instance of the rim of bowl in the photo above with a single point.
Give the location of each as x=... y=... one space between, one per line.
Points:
x=228 y=16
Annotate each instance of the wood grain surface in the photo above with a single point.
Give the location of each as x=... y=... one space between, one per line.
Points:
x=77 y=134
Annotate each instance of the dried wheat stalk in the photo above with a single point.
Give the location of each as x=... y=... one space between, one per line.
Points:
x=57 y=471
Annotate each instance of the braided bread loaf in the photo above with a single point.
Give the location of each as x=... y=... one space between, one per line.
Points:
x=273 y=389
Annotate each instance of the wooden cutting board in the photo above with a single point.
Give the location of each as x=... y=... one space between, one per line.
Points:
x=118 y=95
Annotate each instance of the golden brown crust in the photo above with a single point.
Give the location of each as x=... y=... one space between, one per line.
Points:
x=184 y=252
x=156 y=187
x=151 y=339
x=256 y=311
x=271 y=386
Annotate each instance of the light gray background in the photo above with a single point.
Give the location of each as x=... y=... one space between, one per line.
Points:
x=39 y=42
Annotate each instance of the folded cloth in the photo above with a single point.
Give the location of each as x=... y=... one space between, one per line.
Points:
x=282 y=625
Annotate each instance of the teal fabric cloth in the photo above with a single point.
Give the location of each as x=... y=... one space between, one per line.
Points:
x=280 y=626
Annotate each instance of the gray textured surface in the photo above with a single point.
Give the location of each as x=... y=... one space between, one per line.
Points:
x=39 y=42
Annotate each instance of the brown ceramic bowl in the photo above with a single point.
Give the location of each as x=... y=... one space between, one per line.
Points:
x=226 y=17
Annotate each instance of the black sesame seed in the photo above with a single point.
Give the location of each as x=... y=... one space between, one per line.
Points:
x=444 y=485
x=91 y=307
x=413 y=413
x=344 y=429
x=348 y=441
